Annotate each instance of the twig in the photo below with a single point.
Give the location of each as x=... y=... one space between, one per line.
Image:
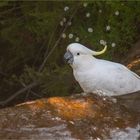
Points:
x=24 y=85
x=18 y=93
x=3 y=74
x=44 y=46
x=12 y=9
x=57 y=42
x=9 y=10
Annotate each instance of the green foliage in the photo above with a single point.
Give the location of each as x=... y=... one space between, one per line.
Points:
x=29 y=31
x=63 y=85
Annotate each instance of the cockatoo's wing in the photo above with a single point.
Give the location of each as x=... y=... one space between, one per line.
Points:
x=119 y=77
x=131 y=72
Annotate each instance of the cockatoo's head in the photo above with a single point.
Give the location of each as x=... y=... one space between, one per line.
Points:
x=77 y=53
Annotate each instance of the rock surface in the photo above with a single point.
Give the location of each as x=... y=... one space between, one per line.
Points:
x=133 y=59
x=69 y=118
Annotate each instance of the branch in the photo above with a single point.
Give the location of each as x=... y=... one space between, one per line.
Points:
x=58 y=40
x=30 y=90
x=18 y=93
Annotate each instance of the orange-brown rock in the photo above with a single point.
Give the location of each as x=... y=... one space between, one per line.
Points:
x=77 y=117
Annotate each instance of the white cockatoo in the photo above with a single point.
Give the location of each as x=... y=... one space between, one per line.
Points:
x=94 y=75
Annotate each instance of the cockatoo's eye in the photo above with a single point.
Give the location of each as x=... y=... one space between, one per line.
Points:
x=78 y=53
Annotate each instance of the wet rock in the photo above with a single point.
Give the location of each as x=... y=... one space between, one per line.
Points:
x=74 y=118
x=130 y=101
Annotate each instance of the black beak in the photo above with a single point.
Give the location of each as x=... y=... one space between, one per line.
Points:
x=68 y=57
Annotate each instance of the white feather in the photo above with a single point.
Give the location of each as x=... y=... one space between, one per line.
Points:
x=95 y=75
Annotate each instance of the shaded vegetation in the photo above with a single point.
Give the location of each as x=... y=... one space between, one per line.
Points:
x=32 y=32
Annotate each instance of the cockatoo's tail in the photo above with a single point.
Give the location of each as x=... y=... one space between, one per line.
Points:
x=95 y=75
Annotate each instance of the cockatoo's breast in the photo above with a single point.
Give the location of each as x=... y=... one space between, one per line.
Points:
x=86 y=80
x=87 y=73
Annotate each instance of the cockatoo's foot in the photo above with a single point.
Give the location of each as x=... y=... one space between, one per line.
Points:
x=79 y=94
x=98 y=96
x=109 y=98
x=104 y=96
x=85 y=94
x=112 y=99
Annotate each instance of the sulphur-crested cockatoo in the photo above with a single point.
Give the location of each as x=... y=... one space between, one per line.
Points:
x=96 y=75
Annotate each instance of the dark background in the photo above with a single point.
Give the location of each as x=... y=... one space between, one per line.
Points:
x=34 y=36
